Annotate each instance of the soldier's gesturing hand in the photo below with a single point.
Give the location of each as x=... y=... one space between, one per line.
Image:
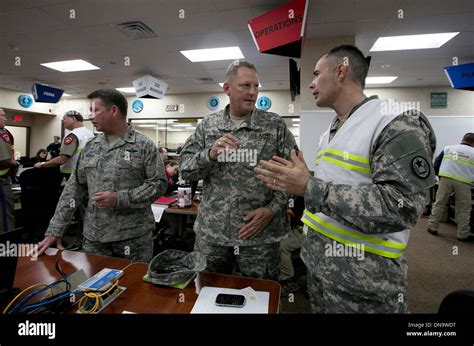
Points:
x=48 y=241
x=256 y=221
x=227 y=141
x=283 y=175
x=105 y=199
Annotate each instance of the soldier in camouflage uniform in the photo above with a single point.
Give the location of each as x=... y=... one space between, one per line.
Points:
x=239 y=217
x=370 y=200
x=122 y=175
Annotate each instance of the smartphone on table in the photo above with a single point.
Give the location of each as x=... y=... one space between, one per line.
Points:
x=230 y=300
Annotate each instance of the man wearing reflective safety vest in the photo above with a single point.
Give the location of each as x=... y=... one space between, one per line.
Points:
x=455 y=174
x=373 y=171
x=8 y=168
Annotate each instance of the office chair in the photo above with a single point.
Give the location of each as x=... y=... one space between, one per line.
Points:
x=40 y=191
x=460 y=301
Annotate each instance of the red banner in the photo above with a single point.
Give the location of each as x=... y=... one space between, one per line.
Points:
x=281 y=31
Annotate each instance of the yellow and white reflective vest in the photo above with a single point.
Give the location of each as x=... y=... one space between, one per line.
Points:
x=7 y=137
x=458 y=163
x=346 y=160
x=83 y=135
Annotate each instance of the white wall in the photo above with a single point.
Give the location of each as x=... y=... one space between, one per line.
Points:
x=9 y=99
x=190 y=105
x=460 y=102
x=19 y=134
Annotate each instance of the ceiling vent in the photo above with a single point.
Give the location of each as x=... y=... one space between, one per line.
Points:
x=136 y=30
x=205 y=80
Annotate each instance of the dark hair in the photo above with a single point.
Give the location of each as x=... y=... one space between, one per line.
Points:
x=172 y=163
x=109 y=98
x=162 y=150
x=468 y=138
x=41 y=151
x=75 y=115
x=37 y=157
x=355 y=60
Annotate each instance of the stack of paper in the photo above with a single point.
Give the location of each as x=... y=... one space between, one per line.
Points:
x=256 y=302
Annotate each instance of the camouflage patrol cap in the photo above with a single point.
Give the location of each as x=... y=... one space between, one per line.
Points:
x=172 y=267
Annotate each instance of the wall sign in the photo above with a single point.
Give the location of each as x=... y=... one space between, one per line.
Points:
x=137 y=106
x=281 y=31
x=264 y=103
x=213 y=103
x=46 y=94
x=25 y=101
x=461 y=76
x=439 y=100
x=171 y=108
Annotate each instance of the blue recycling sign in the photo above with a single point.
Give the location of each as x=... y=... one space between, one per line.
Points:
x=213 y=103
x=264 y=103
x=25 y=101
x=137 y=106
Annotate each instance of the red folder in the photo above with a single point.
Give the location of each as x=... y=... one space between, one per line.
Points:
x=166 y=200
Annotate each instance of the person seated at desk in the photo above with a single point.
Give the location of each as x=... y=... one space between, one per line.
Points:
x=41 y=156
x=171 y=171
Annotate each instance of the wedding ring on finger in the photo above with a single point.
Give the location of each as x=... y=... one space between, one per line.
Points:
x=274 y=182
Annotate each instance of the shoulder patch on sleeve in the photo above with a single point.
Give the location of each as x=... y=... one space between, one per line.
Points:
x=421 y=167
x=5 y=137
x=69 y=139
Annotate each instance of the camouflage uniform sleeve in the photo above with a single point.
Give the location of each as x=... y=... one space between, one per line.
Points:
x=154 y=184
x=396 y=197
x=71 y=197
x=70 y=144
x=286 y=142
x=194 y=162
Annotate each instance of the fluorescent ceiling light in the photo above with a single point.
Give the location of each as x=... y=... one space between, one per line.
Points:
x=213 y=54
x=144 y=121
x=175 y=130
x=162 y=128
x=183 y=125
x=296 y=120
x=66 y=94
x=222 y=85
x=146 y=125
x=127 y=90
x=380 y=80
x=408 y=42
x=70 y=65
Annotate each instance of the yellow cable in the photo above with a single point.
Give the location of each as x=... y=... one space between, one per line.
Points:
x=19 y=294
x=96 y=297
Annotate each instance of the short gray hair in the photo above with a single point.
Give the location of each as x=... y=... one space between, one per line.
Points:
x=234 y=67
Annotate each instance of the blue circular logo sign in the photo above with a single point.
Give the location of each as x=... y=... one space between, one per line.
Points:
x=137 y=106
x=213 y=103
x=264 y=103
x=25 y=101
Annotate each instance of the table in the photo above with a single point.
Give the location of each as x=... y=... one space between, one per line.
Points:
x=43 y=270
x=161 y=299
x=140 y=297
x=183 y=213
